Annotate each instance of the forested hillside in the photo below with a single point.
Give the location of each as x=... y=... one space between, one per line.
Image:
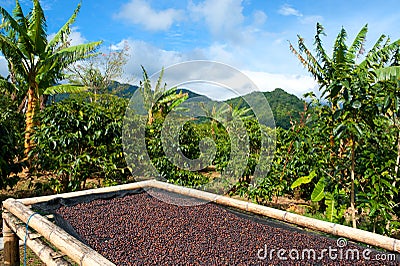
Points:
x=283 y=105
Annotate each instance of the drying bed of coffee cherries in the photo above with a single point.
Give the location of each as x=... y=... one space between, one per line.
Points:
x=141 y=229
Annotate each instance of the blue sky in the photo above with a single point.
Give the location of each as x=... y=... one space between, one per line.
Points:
x=249 y=35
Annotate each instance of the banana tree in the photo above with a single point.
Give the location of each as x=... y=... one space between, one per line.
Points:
x=347 y=86
x=36 y=63
x=160 y=101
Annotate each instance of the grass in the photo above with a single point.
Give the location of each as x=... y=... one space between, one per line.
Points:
x=31 y=258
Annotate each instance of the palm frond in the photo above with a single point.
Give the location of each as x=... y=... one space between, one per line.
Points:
x=383 y=55
x=381 y=42
x=145 y=90
x=171 y=96
x=172 y=91
x=65 y=88
x=13 y=54
x=388 y=73
x=377 y=45
x=389 y=52
x=20 y=17
x=321 y=53
x=309 y=62
x=158 y=91
x=224 y=111
x=242 y=113
x=340 y=48
x=357 y=46
x=145 y=75
x=9 y=21
x=37 y=28
x=62 y=35
x=181 y=97
x=69 y=55
x=396 y=57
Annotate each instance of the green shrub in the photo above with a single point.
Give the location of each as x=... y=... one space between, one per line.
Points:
x=11 y=141
x=78 y=139
x=188 y=144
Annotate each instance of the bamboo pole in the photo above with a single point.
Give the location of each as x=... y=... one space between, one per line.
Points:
x=130 y=186
x=67 y=244
x=45 y=253
x=359 y=235
x=203 y=195
x=11 y=246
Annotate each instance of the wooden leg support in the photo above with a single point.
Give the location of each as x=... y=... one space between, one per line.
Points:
x=11 y=247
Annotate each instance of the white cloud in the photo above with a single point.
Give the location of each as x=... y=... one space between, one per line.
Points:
x=141 y=13
x=259 y=17
x=311 y=20
x=224 y=18
x=222 y=53
x=295 y=84
x=288 y=10
x=152 y=58
x=3 y=67
x=75 y=37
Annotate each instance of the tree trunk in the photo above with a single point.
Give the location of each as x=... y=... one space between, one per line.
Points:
x=352 y=174
x=150 y=116
x=30 y=113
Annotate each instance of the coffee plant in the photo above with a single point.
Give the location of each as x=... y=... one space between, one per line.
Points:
x=78 y=139
x=11 y=142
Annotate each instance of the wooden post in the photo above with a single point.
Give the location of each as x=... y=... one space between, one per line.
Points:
x=11 y=247
x=39 y=247
x=67 y=244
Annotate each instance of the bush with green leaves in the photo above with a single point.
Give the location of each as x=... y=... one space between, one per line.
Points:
x=78 y=139
x=11 y=141
x=188 y=143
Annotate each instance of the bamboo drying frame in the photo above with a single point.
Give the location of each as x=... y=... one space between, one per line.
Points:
x=17 y=212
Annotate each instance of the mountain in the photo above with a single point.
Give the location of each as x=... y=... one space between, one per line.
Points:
x=190 y=93
x=127 y=90
x=283 y=105
x=122 y=90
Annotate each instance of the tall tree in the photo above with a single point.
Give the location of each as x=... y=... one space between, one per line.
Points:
x=347 y=85
x=36 y=63
x=100 y=72
x=160 y=101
